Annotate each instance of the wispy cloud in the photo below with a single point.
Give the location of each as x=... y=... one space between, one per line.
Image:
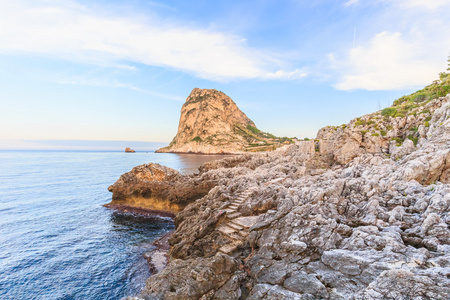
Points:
x=351 y=2
x=427 y=4
x=113 y=83
x=409 y=55
x=387 y=63
x=296 y=74
x=72 y=31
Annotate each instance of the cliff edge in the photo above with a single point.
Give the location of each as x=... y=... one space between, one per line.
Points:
x=362 y=212
x=211 y=123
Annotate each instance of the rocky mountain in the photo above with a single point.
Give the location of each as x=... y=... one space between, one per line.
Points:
x=361 y=212
x=211 y=123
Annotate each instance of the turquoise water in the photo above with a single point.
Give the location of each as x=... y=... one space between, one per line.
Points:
x=57 y=241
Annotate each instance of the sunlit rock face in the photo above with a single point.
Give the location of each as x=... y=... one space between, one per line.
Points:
x=301 y=224
x=211 y=123
x=156 y=187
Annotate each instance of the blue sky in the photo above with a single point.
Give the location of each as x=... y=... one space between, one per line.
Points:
x=120 y=70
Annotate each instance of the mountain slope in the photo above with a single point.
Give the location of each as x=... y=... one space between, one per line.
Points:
x=211 y=122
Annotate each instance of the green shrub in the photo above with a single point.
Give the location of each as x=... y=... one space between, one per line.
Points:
x=389 y=112
x=428 y=118
x=398 y=140
x=419 y=98
x=425 y=111
x=253 y=129
x=306 y=139
x=197 y=139
x=360 y=122
x=414 y=139
x=427 y=124
x=414 y=129
x=363 y=132
x=383 y=133
x=375 y=134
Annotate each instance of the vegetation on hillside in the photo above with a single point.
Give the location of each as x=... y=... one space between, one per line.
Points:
x=259 y=140
x=379 y=125
x=403 y=105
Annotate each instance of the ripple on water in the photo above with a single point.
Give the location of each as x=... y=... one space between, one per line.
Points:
x=57 y=241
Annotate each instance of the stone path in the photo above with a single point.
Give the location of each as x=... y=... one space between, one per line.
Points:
x=237 y=228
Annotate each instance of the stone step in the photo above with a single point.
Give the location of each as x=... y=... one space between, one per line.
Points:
x=235 y=226
x=236 y=237
x=245 y=221
x=243 y=233
x=238 y=201
x=226 y=229
x=233 y=215
x=233 y=206
x=227 y=249
x=229 y=210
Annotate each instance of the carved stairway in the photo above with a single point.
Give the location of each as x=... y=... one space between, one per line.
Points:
x=237 y=228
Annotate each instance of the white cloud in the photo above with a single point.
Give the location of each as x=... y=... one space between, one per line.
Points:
x=75 y=32
x=280 y=74
x=351 y=2
x=428 y=4
x=388 y=62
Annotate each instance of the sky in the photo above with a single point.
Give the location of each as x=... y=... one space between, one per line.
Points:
x=109 y=74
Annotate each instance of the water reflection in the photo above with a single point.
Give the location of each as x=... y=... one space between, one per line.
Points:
x=190 y=162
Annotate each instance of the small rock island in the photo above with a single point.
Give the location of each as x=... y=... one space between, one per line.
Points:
x=129 y=150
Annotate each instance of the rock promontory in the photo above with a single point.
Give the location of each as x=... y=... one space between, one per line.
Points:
x=361 y=212
x=211 y=123
x=159 y=188
x=302 y=224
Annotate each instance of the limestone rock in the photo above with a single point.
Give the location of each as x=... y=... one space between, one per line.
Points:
x=324 y=224
x=211 y=123
x=156 y=187
x=129 y=150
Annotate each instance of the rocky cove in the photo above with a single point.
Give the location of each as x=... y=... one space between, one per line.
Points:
x=362 y=212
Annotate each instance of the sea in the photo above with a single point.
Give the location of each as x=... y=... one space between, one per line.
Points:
x=57 y=241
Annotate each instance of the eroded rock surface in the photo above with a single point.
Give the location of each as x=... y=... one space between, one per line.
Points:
x=372 y=226
x=156 y=187
x=211 y=123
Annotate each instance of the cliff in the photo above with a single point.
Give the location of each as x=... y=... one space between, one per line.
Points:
x=297 y=224
x=361 y=212
x=211 y=123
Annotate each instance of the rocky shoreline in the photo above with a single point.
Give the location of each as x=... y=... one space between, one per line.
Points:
x=140 y=211
x=352 y=215
x=158 y=258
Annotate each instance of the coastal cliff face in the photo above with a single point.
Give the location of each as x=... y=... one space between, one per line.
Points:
x=211 y=123
x=159 y=188
x=342 y=217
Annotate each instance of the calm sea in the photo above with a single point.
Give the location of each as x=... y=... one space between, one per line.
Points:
x=57 y=241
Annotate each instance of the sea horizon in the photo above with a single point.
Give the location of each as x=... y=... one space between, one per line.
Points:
x=78 y=145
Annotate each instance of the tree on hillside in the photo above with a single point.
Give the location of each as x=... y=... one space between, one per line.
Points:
x=448 y=63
